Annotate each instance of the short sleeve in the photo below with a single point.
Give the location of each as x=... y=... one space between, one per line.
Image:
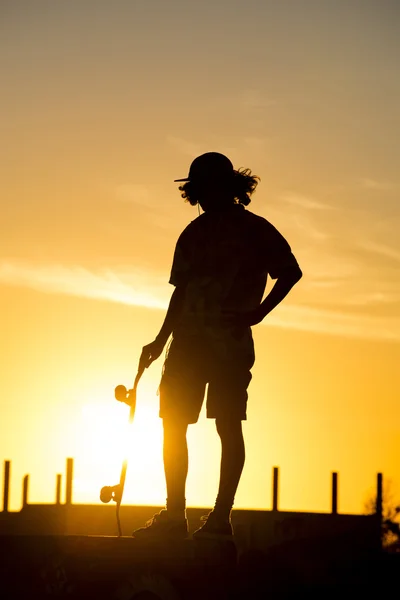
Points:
x=180 y=264
x=277 y=254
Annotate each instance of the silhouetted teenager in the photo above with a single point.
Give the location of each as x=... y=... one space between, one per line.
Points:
x=220 y=268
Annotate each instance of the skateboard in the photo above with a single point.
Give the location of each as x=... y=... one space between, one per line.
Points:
x=115 y=492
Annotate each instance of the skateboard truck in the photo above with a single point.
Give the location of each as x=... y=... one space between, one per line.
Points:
x=110 y=492
x=115 y=492
x=123 y=395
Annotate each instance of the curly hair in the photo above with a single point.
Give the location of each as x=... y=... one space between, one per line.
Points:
x=243 y=186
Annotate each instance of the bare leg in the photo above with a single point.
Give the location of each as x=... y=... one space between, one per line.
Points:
x=175 y=453
x=232 y=462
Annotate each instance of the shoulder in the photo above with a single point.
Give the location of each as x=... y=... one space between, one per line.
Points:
x=259 y=223
x=197 y=223
x=266 y=234
x=189 y=234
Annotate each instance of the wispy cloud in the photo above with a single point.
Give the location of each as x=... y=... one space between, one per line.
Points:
x=254 y=99
x=187 y=147
x=374 y=184
x=308 y=228
x=257 y=144
x=127 y=287
x=376 y=298
x=381 y=249
x=300 y=225
x=148 y=202
x=305 y=202
x=147 y=289
x=131 y=192
x=330 y=322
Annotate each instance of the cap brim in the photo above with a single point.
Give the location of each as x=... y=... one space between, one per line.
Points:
x=186 y=179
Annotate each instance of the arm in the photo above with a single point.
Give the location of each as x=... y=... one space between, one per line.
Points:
x=281 y=265
x=282 y=287
x=179 y=277
x=173 y=312
x=153 y=350
x=284 y=283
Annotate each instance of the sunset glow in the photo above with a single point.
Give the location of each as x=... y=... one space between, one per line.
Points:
x=101 y=110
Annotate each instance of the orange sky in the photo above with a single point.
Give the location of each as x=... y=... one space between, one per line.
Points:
x=103 y=105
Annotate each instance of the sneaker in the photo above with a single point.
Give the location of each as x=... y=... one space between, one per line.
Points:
x=214 y=528
x=161 y=526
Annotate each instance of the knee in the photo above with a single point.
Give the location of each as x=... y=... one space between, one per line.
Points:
x=174 y=430
x=229 y=429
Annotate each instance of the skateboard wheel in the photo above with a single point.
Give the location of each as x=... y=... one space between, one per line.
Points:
x=120 y=393
x=106 y=494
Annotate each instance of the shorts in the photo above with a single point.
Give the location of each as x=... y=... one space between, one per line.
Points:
x=189 y=367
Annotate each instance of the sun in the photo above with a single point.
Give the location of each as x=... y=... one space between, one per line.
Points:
x=106 y=438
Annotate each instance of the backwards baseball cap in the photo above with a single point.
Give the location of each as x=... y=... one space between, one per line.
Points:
x=209 y=165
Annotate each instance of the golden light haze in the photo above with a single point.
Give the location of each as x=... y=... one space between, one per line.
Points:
x=103 y=105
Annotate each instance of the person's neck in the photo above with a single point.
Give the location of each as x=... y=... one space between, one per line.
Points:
x=221 y=207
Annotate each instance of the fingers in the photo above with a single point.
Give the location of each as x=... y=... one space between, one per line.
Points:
x=150 y=353
x=145 y=357
x=145 y=361
x=148 y=359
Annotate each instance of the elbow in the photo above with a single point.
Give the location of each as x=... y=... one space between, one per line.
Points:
x=292 y=275
x=297 y=275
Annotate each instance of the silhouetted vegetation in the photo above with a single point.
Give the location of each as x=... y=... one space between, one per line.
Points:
x=390 y=514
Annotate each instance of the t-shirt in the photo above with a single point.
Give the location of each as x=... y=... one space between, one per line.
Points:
x=223 y=259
